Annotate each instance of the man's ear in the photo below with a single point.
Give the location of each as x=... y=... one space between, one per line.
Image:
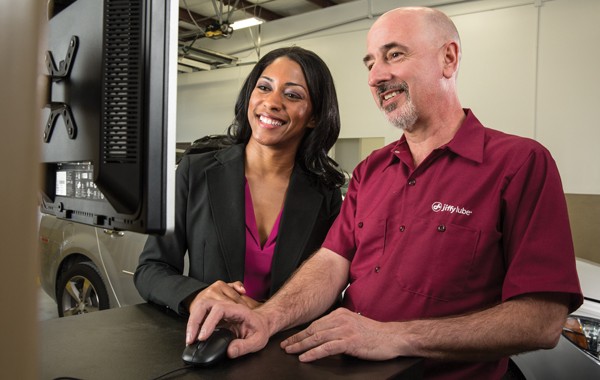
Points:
x=451 y=58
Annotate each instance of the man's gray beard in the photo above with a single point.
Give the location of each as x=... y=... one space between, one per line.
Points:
x=407 y=116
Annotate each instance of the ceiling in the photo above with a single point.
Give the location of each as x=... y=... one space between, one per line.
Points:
x=207 y=42
x=202 y=20
x=211 y=19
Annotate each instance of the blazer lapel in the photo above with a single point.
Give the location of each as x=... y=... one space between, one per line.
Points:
x=226 y=198
x=302 y=205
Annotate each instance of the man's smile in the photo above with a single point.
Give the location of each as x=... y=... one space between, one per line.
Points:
x=389 y=92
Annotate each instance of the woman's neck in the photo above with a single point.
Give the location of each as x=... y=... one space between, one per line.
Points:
x=263 y=161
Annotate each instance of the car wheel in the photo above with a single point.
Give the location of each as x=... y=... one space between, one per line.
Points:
x=81 y=290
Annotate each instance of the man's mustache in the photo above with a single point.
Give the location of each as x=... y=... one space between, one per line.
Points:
x=385 y=87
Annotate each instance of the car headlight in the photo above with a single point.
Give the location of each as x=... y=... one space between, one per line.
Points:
x=584 y=332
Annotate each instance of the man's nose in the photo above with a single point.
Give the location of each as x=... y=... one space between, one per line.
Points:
x=378 y=74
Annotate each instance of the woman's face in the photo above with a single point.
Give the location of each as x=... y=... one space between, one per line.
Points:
x=280 y=107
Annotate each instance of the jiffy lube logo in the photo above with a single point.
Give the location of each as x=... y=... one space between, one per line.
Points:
x=443 y=207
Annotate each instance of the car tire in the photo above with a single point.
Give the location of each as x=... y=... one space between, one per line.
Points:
x=81 y=290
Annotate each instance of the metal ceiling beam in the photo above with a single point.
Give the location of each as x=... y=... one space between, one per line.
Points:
x=204 y=55
x=323 y=3
x=294 y=27
x=242 y=5
x=258 y=11
x=192 y=63
x=203 y=21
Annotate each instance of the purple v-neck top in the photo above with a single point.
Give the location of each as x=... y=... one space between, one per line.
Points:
x=257 y=270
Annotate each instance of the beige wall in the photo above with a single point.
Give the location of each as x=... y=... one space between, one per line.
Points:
x=19 y=25
x=584 y=215
x=528 y=68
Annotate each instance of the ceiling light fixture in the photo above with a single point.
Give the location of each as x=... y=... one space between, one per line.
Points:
x=247 y=22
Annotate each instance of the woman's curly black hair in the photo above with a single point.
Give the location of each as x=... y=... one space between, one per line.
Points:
x=317 y=141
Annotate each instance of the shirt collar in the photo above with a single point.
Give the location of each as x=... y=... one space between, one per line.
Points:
x=468 y=141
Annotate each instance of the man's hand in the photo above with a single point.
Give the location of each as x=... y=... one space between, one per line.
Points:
x=343 y=332
x=488 y=334
x=250 y=327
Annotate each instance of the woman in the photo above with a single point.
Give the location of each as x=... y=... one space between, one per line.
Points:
x=250 y=214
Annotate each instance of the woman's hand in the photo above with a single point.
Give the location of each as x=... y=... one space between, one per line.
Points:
x=229 y=292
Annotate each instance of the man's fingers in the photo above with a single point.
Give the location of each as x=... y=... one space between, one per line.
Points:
x=326 y=349
x=310 y=339
x=193 y=326
x=249 y=328
x=210 y=322
x=202 y=321
x=324 y=337
x=191 y=332
x=314 y=346
x=239 y=347
x=294 y=339
x=317 y=332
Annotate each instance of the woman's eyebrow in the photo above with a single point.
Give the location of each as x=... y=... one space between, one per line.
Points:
x=286 y=84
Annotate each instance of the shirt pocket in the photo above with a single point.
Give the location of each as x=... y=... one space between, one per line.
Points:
x=434 y=259
x=371 y=233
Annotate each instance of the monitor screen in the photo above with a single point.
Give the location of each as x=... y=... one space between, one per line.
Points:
x=108 y=125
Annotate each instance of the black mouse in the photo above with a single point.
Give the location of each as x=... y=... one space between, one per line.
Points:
x=210 y=351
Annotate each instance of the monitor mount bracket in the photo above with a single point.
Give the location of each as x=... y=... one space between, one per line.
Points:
x=58 y=108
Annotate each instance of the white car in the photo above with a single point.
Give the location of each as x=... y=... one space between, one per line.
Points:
x=577 y=355
x=85 y=268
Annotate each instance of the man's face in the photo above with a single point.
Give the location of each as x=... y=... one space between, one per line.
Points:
x=403 y=65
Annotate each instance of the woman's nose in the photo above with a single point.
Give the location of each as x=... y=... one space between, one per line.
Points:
x=273 y=100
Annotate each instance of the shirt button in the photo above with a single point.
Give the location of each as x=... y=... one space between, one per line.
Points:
x=402 y=228
x=441 y=228
x=377 y=269
x=412 y=182
x=360 y=224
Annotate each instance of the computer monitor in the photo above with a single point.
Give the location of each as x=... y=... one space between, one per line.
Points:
x=108 y=128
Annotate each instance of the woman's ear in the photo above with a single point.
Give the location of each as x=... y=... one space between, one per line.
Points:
x=311 y=123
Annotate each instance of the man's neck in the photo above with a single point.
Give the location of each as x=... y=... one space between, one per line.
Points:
x=431 y=134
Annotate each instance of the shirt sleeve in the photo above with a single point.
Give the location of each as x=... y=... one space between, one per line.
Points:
x=538 y=245
x=340 y=238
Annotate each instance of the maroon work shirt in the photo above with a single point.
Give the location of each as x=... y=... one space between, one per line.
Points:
x=481 y=220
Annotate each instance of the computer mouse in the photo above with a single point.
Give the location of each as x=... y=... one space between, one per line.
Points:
x=208 y=352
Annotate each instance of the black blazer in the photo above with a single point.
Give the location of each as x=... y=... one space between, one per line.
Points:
x=210 y=226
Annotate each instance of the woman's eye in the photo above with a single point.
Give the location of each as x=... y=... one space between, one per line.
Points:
x=293 y=95
x=262 y=87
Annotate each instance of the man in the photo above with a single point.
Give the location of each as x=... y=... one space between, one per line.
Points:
x=454 y=240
